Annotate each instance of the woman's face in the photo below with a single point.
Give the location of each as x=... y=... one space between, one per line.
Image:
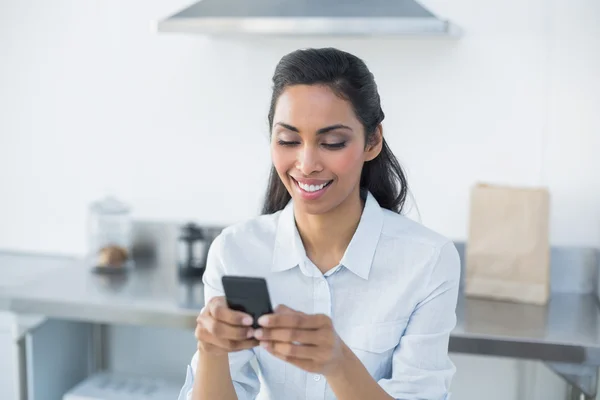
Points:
x=318 y=147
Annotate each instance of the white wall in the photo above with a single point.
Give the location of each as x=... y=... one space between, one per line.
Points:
x=92 y=101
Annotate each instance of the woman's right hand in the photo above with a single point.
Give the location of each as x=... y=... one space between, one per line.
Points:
x=221 y=330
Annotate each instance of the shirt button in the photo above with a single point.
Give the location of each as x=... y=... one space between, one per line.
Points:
x=323 y=282
x=317 y=378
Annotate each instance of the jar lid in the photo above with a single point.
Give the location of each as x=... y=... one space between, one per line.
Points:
x=110 y=205
x=191 y=231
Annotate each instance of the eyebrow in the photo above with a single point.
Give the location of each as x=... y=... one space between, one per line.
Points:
x=319 y=132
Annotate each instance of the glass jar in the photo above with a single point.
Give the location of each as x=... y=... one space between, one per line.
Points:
x=109 y=236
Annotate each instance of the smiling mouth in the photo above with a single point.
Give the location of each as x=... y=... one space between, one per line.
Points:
x=312 y=188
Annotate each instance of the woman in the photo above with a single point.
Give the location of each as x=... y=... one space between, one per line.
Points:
x=366 y=296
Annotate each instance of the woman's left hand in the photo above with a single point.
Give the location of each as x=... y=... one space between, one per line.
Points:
x=306 y=341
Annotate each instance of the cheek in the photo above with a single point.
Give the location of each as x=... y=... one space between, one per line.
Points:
x=281 y=159
x=347 y=162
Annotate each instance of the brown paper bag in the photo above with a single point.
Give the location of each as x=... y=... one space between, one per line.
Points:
x=508 y=250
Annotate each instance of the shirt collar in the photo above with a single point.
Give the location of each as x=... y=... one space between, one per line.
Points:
x=361 y=250
x=289 y=251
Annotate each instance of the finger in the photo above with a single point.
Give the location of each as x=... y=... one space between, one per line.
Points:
x=283 y=309
x=294 y=320
x=223 y=330
x=290 y=335
x=243 y=344
x=302 y=363
x=219 y=310
x=281 y=349
x=232 y=345
x=226 y=344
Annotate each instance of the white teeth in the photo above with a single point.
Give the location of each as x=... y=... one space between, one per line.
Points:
x=311 y=188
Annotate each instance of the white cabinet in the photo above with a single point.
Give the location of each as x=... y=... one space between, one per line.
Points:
x=12 y=354
x=9 y=365
x=50 y=336
x=58 y=358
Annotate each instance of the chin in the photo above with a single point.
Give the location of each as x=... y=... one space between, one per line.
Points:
x=311 y=208
x=316 y=207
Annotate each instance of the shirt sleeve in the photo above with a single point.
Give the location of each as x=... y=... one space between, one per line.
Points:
x=421 y=367
x=243 y=375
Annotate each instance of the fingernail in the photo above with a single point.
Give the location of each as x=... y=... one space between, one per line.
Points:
x=250 y=333
x=258 y=333
x=247 y=321
x=264 y=321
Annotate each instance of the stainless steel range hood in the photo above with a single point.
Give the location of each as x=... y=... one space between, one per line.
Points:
x=309 y=17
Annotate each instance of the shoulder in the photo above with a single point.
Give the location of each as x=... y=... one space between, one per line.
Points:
x=252 y=231
x=420 y=243
x=400 y=227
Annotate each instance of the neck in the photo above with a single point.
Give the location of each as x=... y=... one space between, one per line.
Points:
x=326 y=236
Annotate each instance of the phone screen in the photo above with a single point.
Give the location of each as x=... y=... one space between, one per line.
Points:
x=247 y=294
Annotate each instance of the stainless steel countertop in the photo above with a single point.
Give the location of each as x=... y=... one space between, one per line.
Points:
x=66 y=289
x=16 y=269
x=566 y=330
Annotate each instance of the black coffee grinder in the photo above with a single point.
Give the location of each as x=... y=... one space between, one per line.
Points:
x=193 y=251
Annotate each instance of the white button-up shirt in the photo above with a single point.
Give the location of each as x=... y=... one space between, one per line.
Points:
x=392 y=300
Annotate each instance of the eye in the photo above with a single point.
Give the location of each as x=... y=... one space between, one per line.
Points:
x=334 y=146
x=286 y=143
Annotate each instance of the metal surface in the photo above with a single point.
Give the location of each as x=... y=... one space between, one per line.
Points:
x=147 y=296
x=572 y=269
x=54 y=358
x=22 y=366
x=576 y=394
x=583 y=378
x=308 y=17
x=565 y=330
x=64 y=287
x=98 y=348
x=16 y=269
x=565 y=333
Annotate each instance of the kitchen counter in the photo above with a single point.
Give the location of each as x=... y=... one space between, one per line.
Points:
x=566 y=331
x=16 y=269
x=66 y=289
x=568 y=328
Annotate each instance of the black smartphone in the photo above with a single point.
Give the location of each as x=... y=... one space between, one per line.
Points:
x=247 y=294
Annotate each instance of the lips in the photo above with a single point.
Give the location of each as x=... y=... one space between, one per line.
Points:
x=311 y=181
x=311 y=189
x=312 y=185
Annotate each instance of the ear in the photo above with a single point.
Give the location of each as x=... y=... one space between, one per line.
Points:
x=375 y=144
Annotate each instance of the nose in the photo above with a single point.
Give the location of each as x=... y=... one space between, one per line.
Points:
x=308 y=160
